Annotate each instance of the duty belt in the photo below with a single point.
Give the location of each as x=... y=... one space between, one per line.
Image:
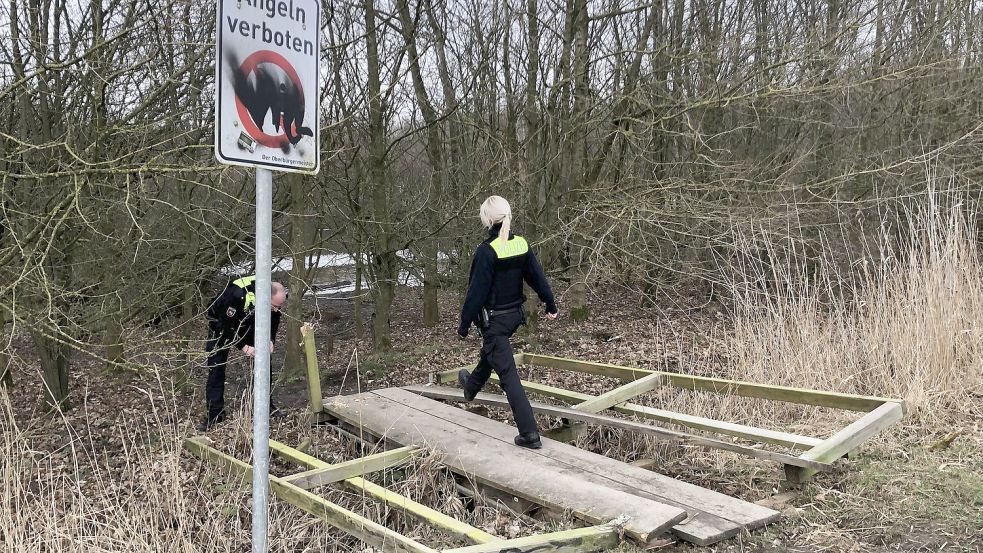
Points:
x=493 y=312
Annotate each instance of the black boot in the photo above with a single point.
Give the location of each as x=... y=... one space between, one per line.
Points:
x=529 y=440
x=209 y=422
x=463 y=377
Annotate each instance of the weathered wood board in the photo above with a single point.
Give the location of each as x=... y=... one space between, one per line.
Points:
x=558 y=476
x=522 y=472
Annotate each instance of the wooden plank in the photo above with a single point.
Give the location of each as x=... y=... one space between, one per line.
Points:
x=450 y=394
x=752 y=433
x=353 y=523
x=801 y=396
x=450 y=376
x=297 y=456
x=416 y=510
x=313 y=372
x=622 y=394
x=705 y=524
x=609 y=469
x=522 y=472
x=580 y=540
x=713 y=516
x=847 y=439
x=350 y=469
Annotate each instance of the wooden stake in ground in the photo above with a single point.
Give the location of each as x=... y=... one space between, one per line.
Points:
x=313 y=371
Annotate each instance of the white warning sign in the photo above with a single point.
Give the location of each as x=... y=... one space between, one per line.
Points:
x=267 y=83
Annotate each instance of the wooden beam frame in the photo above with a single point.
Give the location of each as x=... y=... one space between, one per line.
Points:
x=879 y=412
x=350 y=522
x=690 y=421
x=450 y=394
x=417 y=510
x=569 y=431
x=802 y=396
x=549 y=503
x=581 y=540
x=350 y=469
x=847 y=439
x=621 y=395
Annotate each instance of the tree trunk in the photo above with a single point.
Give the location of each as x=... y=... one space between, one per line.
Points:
x=54 y=370
x=113 y=338
x=431 y=284
x=385 y=292
x=294 y=364
x=536 y=196
x=579 y=310
x=359 y=270
x=190 y=308
x=6 y=374
x=431 y=280
x=385 y=264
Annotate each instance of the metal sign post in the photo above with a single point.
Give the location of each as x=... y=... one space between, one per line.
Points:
x=261 y=376
x=267 y=81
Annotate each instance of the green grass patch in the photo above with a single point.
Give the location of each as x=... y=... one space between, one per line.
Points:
x=907 y=499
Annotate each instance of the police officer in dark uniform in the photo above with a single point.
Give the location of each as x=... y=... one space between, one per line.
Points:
x=494 y=304
x=231 y=324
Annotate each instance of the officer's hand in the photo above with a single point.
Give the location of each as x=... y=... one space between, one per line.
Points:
x=249 y=350
x=552 y=316
x=271 y=346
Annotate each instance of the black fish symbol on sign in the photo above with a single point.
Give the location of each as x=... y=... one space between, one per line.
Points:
x=272 y=92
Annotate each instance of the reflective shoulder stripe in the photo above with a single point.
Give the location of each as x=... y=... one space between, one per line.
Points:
x=513 y=248
x=245 y=281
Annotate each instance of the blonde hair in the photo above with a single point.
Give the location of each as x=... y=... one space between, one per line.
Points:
x=494 y=210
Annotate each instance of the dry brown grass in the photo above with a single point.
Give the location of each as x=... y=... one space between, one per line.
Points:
x=903 y=323
x=900 y=321
x=63 y=490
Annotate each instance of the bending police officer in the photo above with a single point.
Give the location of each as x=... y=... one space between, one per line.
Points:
x=231 y=324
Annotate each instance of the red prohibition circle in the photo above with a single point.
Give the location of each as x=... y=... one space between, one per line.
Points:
x=247 y=67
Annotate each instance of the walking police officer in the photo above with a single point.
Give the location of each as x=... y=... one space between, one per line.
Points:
x=231 y=323
x=494 y=304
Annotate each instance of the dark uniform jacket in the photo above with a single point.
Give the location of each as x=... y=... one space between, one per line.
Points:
x=233 y=314
x=497 y=272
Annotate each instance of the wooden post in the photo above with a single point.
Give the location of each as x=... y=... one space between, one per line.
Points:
x=313 y=372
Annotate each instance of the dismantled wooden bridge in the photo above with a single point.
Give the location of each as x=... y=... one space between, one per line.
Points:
x=562 y=477
x=614 y=499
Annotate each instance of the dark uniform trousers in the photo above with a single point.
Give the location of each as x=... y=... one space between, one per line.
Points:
x=217 y=348
x=497 y=355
